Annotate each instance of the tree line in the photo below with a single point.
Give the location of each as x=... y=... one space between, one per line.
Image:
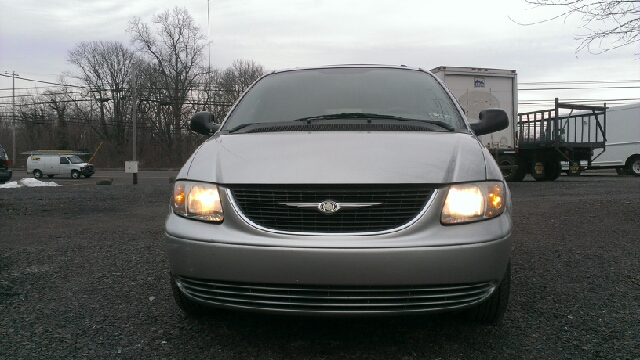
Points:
x=163 y=71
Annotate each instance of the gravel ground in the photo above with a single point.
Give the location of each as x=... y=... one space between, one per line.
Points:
x=83 y=274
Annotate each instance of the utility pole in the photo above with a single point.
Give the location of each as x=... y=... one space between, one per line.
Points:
x=13 y=113
x=134 y=104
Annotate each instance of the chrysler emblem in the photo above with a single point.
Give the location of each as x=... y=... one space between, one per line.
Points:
x=328 y=207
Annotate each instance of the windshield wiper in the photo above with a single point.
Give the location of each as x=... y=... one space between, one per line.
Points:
x=241 y=126
x=357 y=115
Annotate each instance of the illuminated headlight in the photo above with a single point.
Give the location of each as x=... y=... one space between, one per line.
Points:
x=196 y=200
x=473 y=202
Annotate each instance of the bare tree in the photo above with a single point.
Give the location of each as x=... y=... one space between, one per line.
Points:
x=105 y=68
x=234 y=80
x=610 y=24
x=59 y=100
x=175 y=48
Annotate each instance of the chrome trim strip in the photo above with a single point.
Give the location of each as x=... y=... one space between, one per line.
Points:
x=340 y=205
x=241 y=215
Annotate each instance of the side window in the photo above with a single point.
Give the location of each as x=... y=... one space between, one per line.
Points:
x=64 y=160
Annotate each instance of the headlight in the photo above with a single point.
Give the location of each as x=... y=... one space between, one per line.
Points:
x=473 y=202
x=196 y=200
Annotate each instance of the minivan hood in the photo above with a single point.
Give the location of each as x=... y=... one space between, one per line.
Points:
x=337 y=158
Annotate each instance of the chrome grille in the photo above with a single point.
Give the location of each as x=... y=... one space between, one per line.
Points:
x=334 y=299
x=396 y=205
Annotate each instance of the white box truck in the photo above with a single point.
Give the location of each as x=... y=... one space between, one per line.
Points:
x=51 y=163
x=478 y=89
x=535 y=143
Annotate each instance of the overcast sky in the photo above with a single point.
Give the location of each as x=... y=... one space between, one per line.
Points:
x=36 y=36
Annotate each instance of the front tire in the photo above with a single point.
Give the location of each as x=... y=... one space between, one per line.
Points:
x=633 y=165
x=75 y=174
x=493 y=308
x=37 y=174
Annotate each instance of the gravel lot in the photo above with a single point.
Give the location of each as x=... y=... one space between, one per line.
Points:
x=83 y=274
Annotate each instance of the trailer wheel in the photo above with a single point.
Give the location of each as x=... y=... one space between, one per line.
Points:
x=633 y=165
x=539 y=170
x=491 y=310
x=37 y=174
x=553 y=169
x=547 y=171
x=511 y=175
x=75 y=174
x=574 y=168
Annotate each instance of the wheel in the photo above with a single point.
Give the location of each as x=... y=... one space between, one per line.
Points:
x=37 y=174
x=552 y=171
x=50 y=176
x=511 y=175
x=574 y=169
x=633 y=165
x=538 y=171
x=622 y=171
x=493 y=308
x=75 y=174
x=185 y=304
x=546 y=171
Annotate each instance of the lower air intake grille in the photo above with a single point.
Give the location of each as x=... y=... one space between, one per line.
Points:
x=334 y=299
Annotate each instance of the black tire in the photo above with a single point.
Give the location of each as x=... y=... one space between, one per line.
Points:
x=75 y=174
x=185 y=304
x=511 y=175
x=574 y=169
x=539 y=170
x=37 y=174
x=493 y=308
x=550 y=170
x=553 y=169
x=50 y=176
x=633 y=165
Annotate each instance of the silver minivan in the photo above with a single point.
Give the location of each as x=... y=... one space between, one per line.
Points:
x=342 y=190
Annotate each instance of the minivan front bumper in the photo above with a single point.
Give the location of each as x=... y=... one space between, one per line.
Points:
x=334 y=281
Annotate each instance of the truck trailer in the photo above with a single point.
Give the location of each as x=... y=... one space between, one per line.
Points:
x=537 y=142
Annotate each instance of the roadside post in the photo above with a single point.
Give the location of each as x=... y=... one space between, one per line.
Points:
x=131 y=167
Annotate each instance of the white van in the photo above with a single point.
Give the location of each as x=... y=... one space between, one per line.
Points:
x=622 y=148
x=51 y=164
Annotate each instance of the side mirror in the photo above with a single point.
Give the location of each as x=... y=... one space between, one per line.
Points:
x=491 y=120
x=202 y=123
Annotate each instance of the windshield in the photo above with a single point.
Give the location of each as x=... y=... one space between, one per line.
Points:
x=75 y=160
x=300 y=94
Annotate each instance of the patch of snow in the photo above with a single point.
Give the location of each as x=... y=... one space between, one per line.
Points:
x=10 y=185
x=26 y=182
